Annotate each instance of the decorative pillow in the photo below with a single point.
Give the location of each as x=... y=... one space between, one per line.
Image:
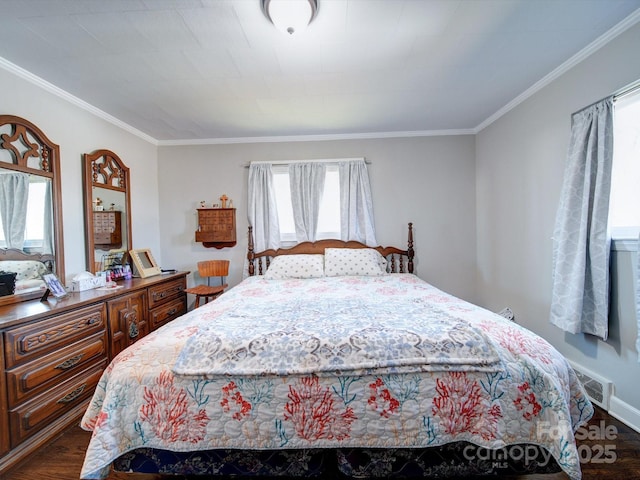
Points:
x=353 y=261
x=25 y=269
x=295 y=266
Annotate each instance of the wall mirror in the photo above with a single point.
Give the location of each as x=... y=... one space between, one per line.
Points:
x=31 y=239
x=107 y=207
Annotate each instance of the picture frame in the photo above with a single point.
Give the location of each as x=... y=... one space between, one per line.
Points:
x=54 y=286
x=144 y=263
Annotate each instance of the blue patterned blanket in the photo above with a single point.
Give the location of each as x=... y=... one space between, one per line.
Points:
x=371 y=333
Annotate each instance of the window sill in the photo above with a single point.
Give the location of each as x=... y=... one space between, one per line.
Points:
x=624 y=244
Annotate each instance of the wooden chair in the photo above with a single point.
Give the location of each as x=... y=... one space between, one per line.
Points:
x=208 y=269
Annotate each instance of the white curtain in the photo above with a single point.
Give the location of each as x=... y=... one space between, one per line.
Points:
x=262 y=209
x=306 y=180
x=48 y=241
x=356 y=206
x=14 y=195
x=580 y=297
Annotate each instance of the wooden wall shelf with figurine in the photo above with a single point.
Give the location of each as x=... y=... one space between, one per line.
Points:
x=107 y=229
x=216 y=227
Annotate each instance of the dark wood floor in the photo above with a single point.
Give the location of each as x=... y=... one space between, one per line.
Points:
x=63 y=459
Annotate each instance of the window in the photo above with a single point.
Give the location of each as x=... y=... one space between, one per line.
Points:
x=343 y=209
x=329 y=215
x=34 y=229
x=624 y=214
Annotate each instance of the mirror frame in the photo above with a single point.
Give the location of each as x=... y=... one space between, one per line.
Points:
x=49 y=154
x=104 y=169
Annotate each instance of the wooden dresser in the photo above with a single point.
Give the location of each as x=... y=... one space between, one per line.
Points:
x=53 y=353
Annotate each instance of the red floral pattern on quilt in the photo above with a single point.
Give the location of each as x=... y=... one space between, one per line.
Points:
x=170 y=415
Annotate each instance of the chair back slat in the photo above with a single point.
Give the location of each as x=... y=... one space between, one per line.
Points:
x=213 y=268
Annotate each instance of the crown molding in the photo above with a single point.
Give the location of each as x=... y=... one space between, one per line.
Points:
x=49 y=87
x=594 y=46
x=313 y=138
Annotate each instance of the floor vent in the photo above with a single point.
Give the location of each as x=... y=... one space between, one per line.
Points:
x=598 y=389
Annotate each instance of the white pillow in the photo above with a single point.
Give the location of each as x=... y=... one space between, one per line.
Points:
x=25 y=269
x=353 y=261
x=295 y=266
x=26 y=284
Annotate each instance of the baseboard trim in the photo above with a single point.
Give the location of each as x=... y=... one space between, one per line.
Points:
x=624 y=412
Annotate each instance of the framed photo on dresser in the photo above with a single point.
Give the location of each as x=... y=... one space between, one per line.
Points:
x=54 y=286
x=144 y=263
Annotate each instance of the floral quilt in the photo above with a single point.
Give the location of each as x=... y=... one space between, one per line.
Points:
x=448 y=371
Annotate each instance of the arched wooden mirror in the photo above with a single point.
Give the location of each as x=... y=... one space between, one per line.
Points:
x=30 y=207
x=107 y=206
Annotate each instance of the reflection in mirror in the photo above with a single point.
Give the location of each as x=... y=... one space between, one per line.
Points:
x=30 y=206
x=25 y=212
x=107 y=206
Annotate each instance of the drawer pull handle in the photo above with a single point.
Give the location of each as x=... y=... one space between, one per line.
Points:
x=131 y=321
x=70 y=397
x=159 y=295
x=67 y=364
x=133 y=330
x=172 y=311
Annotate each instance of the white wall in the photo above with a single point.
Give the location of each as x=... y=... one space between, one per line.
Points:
x=77 y=131
x=429 y=181
x=520 y=163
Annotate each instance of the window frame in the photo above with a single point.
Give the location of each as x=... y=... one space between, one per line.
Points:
x=280 y=169
x=623 y=236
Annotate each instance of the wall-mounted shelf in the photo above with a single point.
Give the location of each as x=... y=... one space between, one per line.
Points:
x=107 y=229
x=216 y=227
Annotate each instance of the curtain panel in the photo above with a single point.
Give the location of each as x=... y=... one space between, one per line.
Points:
x=306 y=181
x=356 y=205
x=580 y=296
x=262 y=210
x=14 y=196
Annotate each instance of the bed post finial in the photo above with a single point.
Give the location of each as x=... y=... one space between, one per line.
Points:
x=410 y=252
x=250 y=252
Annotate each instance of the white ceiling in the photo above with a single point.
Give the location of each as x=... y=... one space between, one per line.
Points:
x=217 y=70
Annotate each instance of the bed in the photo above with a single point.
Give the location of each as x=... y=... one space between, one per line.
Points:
x=28 y=269
x=332 y=359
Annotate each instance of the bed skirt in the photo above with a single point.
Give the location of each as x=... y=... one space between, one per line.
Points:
x=447 y=461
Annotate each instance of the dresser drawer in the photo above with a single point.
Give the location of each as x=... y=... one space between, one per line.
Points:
x=159 y=294
x=101 y=238
x=32 y=416
x=36 y=339
x=28 y=380
x=167 y=312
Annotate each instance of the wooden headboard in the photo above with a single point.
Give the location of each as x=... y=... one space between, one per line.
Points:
x=399 y=260
x=15 y=254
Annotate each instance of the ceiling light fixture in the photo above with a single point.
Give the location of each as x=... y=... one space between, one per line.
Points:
x=290 y=16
